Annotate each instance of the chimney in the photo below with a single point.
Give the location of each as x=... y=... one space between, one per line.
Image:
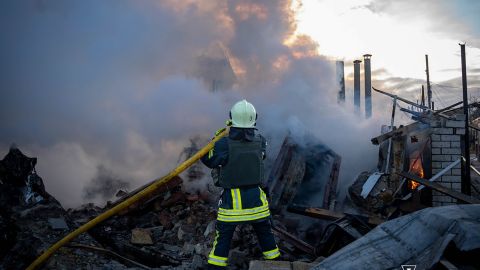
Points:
x=341 y=82
x=368 y=85
x=356 y=84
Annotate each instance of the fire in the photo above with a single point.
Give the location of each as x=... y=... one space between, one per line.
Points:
x=416 y=168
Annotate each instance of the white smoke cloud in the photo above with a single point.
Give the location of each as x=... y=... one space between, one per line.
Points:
x=89 y=84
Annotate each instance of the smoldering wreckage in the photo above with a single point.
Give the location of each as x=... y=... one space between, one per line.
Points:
x=416 y=210
x=394 y=216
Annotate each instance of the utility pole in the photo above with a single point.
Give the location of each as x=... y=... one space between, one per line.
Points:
x=466 y=184
x=429 y=89
x=423 y=96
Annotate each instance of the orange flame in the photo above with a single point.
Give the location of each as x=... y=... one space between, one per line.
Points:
x=416 y=168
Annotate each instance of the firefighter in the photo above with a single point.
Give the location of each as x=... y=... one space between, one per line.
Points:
x=237 y=166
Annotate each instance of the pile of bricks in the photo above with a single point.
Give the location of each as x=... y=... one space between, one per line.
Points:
x=446 y=148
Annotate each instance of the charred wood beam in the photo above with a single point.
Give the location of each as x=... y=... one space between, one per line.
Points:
x=287 y=237
x=316 y=212
x=452 y=193
x=447 y=264
x=413 y=103
x=330 y=215
x=472 y=127
x=402 y=99
x=401 y=131
x=448 y=107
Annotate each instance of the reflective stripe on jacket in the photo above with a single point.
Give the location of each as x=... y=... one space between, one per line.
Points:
x=243 y=205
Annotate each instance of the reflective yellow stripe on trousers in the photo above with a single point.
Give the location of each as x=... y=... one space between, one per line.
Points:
x=271 y=254
x=236 y=198
x=212 y=258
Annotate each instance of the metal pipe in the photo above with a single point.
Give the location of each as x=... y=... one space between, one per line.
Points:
x=368 y=85
x=356 y=85
x=341 y=82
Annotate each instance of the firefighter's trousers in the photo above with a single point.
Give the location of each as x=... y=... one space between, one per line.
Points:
x=218 y=256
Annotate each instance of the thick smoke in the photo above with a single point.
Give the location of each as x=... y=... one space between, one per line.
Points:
x=114 y=84
x=104 y=185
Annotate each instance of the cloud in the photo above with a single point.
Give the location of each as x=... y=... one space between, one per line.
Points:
x=457 y=19
x=88 y=85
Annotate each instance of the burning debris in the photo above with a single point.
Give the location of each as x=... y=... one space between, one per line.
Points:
x=173 y=228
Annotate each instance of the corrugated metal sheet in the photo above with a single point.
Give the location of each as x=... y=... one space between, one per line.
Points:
x=416 y=239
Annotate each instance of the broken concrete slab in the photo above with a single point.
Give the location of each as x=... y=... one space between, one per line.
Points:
x=58 y=223
x=141 y=237
x=269 y=265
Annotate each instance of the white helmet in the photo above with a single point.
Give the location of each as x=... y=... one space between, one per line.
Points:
x=243 y=114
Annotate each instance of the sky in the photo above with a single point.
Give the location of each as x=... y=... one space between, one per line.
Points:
x=108 y=93
x=399 y=34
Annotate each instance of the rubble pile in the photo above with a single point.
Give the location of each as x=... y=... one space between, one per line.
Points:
x=175 y=229
x=172 y=230
x=31 y=220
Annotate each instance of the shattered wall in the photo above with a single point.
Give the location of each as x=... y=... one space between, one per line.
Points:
x=446 y=148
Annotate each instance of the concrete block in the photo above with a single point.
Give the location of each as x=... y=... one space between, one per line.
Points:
x=446 y=131
x=452 y=178
x=455 y=157
x=436 y=151
x=456 y=171
x=457 y=186
x=302 y=265
x=269 y=265
x=460 y=131
x=440 y=144
x=455 y=124
x=436 y=165
x=435 y=123
x=441 y=158
x=436 y=137
x=455 y=144
x=450 y=138
x=446 y=164
x=460 y=117
x=141 y=237
x=446 y=184
x=445 y=199
x=451 y=151
x=437 y=170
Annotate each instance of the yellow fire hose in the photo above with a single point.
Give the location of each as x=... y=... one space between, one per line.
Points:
x=145 y=192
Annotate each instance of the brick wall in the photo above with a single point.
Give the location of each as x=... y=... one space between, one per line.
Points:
x=445 y=142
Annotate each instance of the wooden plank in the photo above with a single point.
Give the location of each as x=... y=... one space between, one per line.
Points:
x=330 y=215
x=286 y=174
x=316 y=213
x=286 y=236
x=448 y=265
x=404 y=130
x=452 y=193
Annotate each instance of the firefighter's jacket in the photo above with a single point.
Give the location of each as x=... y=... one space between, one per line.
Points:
x=245 y=203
